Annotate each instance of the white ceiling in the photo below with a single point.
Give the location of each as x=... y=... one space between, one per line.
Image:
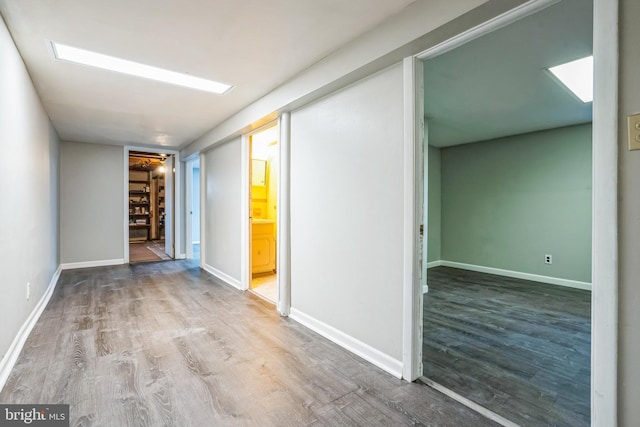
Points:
x=256 y=45
x=498 y=85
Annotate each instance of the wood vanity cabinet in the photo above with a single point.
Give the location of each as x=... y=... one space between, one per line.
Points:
x=263 y=246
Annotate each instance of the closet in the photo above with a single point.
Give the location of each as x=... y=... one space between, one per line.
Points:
x=146 y=197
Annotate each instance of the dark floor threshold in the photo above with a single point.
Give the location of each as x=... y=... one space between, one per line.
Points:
x=487 y=413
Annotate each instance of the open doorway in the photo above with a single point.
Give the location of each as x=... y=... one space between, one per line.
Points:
x=507 y=319
x=263 y=212
x=193 y=209
x=151 y=206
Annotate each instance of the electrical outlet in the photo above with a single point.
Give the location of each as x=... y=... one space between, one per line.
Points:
x=548 y=259
x=28 y=290
x=633 y=123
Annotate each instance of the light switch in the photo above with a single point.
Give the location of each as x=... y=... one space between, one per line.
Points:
x=633 y=123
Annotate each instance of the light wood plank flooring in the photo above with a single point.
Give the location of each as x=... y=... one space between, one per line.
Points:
x=266 y=286
x=518 y=348
x=165 y=344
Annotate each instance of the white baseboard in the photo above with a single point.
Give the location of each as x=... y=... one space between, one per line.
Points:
x=434 y=264
x=368 y=353
x=223 y=276
x=10 y=358
x=89 y=264
x=518 y=275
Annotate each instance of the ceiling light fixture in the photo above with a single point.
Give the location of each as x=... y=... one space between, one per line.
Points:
x=106 y=62
x=577 y=76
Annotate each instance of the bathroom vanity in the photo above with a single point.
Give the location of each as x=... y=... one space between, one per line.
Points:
x=263 y=246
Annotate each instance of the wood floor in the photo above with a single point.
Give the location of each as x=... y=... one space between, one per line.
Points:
x=519 y=348
x=165 y=344
x=149 y=250
x=266 y=286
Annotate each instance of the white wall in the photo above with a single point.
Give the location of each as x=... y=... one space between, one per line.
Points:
x=91 y=203
x=347 y=211
x=223 y=177
x=29 y=177
x=195 y=207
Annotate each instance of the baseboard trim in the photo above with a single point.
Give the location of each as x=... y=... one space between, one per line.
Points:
x=434 y=264
x=519 y=275
x=365 y=351
x=89 y=264
x=223 y=276
x=11 y=357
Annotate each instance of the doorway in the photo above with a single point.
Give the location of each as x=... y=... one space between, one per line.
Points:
x=263 y=212
x=151 y=206
x=505 y=144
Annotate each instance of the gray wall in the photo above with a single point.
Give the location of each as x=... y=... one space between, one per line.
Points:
x=629 y=225
x=91 y=202
x=347 y=211
x=223 y=208
x=508 y=202
x=434 y=235
x=195 y=208
x=29 y=179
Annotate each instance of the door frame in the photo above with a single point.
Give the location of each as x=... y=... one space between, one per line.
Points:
x=177 y=194
x=282 y=263
x=189 y=166
x=604 y=318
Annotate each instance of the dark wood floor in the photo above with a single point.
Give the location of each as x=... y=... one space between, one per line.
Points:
x=519 y=348
x=164 y=344
x=148 y=250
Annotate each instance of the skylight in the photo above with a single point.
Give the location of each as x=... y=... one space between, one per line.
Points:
x=577 y=76
x=106 y=62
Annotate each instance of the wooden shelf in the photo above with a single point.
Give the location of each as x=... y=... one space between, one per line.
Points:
x=140 y=199
x=157 y=200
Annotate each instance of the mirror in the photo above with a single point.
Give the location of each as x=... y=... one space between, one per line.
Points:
x=258 y=173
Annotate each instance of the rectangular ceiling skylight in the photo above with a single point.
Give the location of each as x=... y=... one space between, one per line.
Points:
x=106 y=62
x=577 y=76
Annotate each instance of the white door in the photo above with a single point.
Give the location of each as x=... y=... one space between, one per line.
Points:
x=169 y=205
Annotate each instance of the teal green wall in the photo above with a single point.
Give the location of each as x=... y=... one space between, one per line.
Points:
x=508 y=202
x=434 y=205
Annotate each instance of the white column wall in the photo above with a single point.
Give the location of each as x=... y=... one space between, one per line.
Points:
x=91 y=204
x=222 y=210
x=347 y=217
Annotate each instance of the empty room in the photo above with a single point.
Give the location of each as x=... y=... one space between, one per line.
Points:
x=507 y=320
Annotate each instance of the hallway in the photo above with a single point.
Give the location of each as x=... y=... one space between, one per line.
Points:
x=166 y=344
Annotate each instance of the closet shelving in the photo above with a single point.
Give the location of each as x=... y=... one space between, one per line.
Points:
x=139 y=205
